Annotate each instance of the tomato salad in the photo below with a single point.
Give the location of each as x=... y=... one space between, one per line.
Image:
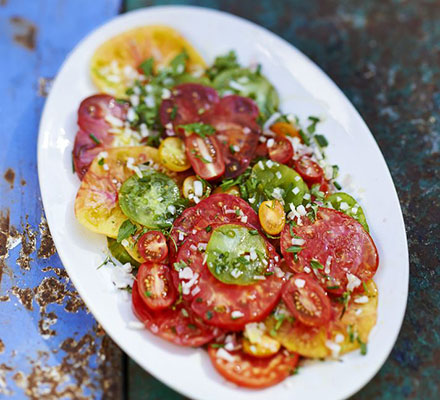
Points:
x=223 y=216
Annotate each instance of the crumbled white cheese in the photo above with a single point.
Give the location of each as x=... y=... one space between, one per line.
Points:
x=361 y=300
x=112 y=120
x=278 y=272
x=307 y=196
x=198 y=188
x=269 y=163
x=270 y=143
x=236 y=273
x=181 y=236
x=195 y=291
x=278 y=175
x=172 y=209
x=344 y=206
x=166 y=93
x=259 y=277
x=186 y=273
x=298 y=242
x=333 y=347
x=223 y=354
x=300 y=283
x=260 y=164
x=254 y=331
x=301 y=210
x=136 y=325
x=307 y=270
x=247 y=130
x=353 y=282
x=236 y=314
x=134 y=100
x=339 y=338
x=295 y=190
x=121 y=276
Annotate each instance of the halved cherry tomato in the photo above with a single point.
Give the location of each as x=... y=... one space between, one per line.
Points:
x=172 y=154
x=281 y=150
x=285 y=129
x=205 y=156
x=152 y=246
x=272 y=216
x=309 y=170
x=155 y=286
x=252 y=372
x=307 y=300
x=176 y=324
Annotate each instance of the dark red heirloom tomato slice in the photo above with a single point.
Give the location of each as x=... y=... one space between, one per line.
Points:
x=155 y=286
x=309 y=170
x=281 y=151
x=152 y=246
x=334 y=245
x=252 y=372
x=178 y=325
x=205 y=156
x=307 y=300
x=234 y=118
x=217 y=208
x=93 y=135
x=187 y=104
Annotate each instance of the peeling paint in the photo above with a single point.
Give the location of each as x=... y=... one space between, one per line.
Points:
x=24 y=296
x=25 y=32
x=10 y=177
x=47 y=248
x=28 y=245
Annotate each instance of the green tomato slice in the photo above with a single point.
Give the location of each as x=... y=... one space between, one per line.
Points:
x=147 y=200
x=270 y=180
x=348 y=205
x=244 y=82
x=118 y=252
x=236 y=254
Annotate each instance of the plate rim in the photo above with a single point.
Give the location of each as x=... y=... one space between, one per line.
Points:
x=311 y=64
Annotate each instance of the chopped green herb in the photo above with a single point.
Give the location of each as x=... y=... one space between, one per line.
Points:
x=208 y=228
x=321 y=140
x=148 y=293
x=335 y=171
x=173 y=112
x=106 y=261
x=184 y=312
x=350 y=333
x=312 y=127
x=217 y=345
x=304 y=137
x=363 y=346
x=73 y=166
x=147 y=66
x=337 y=185
x=94 y=138
x=178 y=63
x=365 y=287
x=231 y=149
x=127 y=229
x=315 y=264
x=294 y=249
x=209 y=315
x=258 y=70
x=199 y=300
x=203 y=130
x=253 y=232
x=201 y=158
x=294 y=371
x=180 y=265
x=280 y=319
x=101 y=161
x=192 y=326
x=333 y=287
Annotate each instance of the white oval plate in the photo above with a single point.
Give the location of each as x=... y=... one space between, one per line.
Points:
x=305 y=90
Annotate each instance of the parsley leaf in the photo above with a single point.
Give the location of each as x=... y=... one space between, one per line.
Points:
x=321 y=140
x=94 y=138
x=147 y=66
x=315 y=264
x=203 y=130
x=127 y=229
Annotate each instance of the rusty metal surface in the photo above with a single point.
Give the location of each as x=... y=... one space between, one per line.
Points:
x=50 y=346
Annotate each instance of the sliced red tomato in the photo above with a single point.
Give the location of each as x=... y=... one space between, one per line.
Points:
x=178 y=325
x=155 y=286
x=281 y=150
x=217 y=208
x=229 y=307
x=307 y=300
x=309 y=170
x=332 y=246
x=93 y=135
x=205 y=156
x=152 y=246
x=188 y=103
x=253 y=372
x=261 y=150
x=234 y=118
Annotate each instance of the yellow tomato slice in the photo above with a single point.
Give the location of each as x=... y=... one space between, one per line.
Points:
x=346 y=333
x=114 y=64
x=272 y=216
x=172 y=154
x=96 y=203
x=285 y=129
x=233 y=190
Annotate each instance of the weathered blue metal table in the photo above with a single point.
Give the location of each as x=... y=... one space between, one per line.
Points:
x=385 y=55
